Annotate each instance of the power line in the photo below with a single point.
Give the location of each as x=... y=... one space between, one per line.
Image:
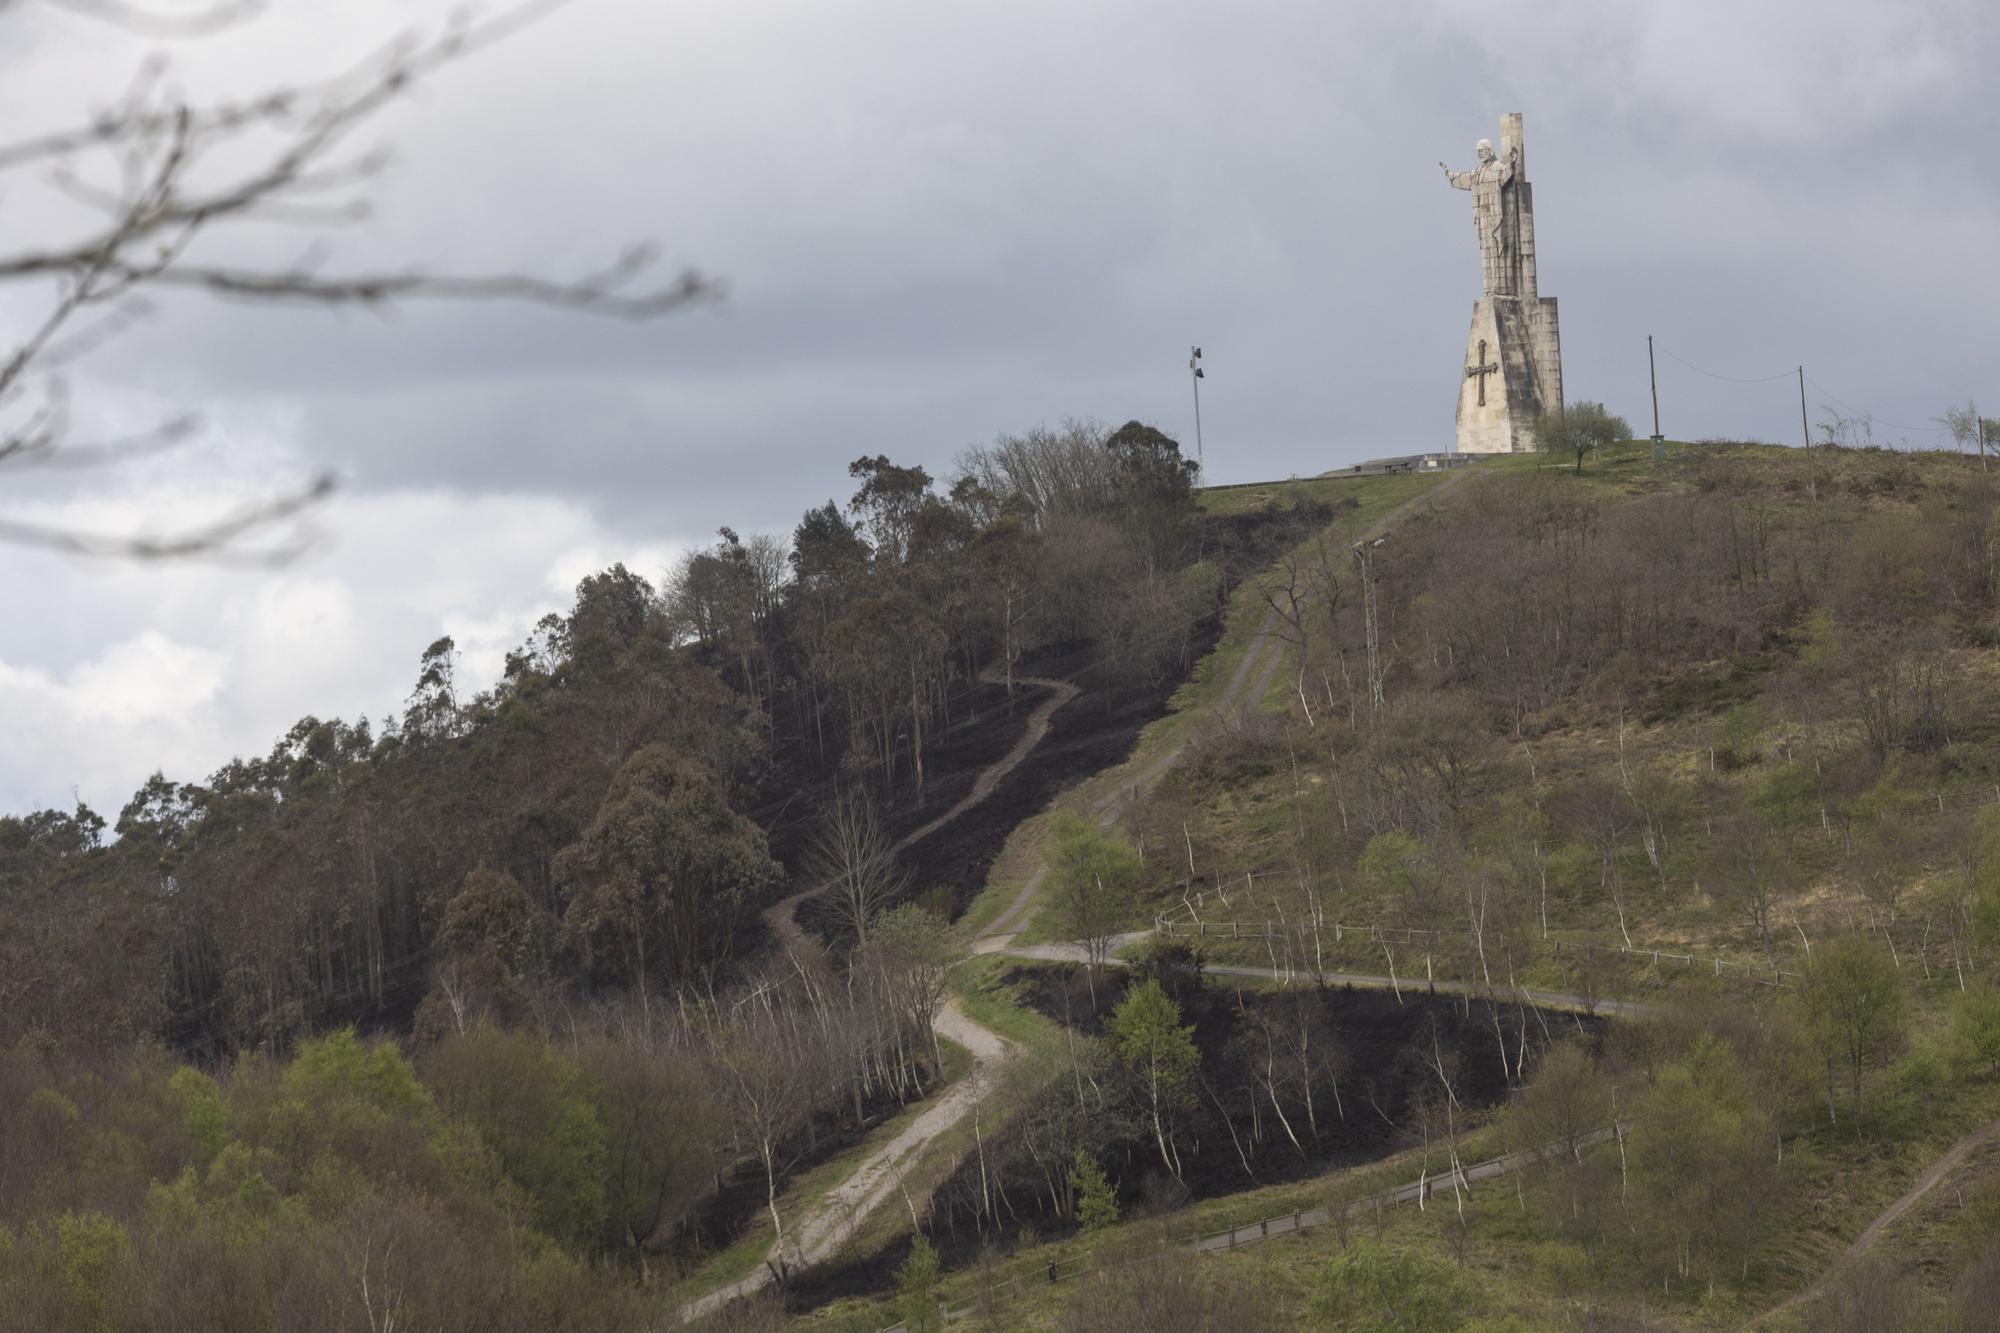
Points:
x=1787 y=374
x=1733 y=379
x=1861 y=412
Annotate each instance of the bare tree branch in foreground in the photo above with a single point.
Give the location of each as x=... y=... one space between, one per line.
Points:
x=159 y=171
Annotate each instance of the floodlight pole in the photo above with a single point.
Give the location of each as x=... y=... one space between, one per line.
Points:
x=1363 y=553
x=1195 y=377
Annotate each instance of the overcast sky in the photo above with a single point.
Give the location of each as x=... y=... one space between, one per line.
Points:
x=939 y=222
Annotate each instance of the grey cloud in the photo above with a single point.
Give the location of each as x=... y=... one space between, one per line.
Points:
x=944 y=223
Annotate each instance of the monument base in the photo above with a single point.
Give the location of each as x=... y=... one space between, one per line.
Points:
x=1513 y=373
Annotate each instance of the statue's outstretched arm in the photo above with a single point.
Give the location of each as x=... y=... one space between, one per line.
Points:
x=1460 y=180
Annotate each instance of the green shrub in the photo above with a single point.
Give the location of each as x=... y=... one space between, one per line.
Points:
x=1386 y=1291
x=1975 y=1027
x=531 y=1105
x=1742 y=734
x=202 y=1111
x=1563 y=1267
x=1921 y=1074
x=90 y=1256
x=1787 y=795
x=1175 y=964
x=340 y=1065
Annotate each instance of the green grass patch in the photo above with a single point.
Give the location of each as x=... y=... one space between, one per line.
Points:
x=990 y=1002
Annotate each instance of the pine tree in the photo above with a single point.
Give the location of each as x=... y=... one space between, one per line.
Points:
x=916 y=1287
x=1096 y=1200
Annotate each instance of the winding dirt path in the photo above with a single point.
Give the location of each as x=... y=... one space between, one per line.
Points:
x=782 y=916
x=1014 y=918
x=1933 y=1175
x=836 y=1217
x=841 y=1213
x=1248 y=685
x=853 y=1199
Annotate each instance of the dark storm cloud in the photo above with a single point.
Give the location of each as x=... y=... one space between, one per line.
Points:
x=939 y=223
x=1019 y=245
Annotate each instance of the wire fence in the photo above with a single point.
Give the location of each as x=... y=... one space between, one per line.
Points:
x=1276 y=930
x=1186 y=921
x=1426 y=1187
x=1764 y=974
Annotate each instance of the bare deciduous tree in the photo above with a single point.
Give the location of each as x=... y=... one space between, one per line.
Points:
x=1748 y=870
x=854 y=860
x=768 y=1067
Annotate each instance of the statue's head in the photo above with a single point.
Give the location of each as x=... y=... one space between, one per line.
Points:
x=1485 y=150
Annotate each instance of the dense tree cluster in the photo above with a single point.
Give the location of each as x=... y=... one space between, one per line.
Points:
x=338 y=1189
x=476 y=1184
x=855 y=635
x=592 y=820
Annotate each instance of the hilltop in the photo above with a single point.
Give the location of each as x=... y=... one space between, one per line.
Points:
x=996 y=885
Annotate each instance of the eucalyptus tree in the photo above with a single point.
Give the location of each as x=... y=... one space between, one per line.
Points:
x=656 y=882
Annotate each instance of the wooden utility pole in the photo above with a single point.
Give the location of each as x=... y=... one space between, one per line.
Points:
x=1653 y=377
x=1805 y=433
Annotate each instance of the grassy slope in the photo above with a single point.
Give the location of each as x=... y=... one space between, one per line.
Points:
x=1249 y=820
x=1520 y=1272
x=1840 y=1184
x=1195 y=700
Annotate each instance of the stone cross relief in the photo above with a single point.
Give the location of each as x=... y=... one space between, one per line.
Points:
x=1495 y=218
x=1481 y=370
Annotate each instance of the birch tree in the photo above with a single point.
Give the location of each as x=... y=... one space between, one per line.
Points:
x=1163 y=1058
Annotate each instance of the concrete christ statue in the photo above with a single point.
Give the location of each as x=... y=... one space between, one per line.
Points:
x=1496 y=214
x=1513 y=356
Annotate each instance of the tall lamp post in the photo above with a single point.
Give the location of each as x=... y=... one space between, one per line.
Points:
x=1194 y=365
x=1364 y=556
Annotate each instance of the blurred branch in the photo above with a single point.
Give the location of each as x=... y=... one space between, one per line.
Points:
x=217 y=539
x=196 y=20
x=159 y=184
x=599 y=294
x=28 y=450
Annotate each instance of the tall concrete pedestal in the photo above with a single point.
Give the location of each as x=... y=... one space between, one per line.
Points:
x=1512 y=372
